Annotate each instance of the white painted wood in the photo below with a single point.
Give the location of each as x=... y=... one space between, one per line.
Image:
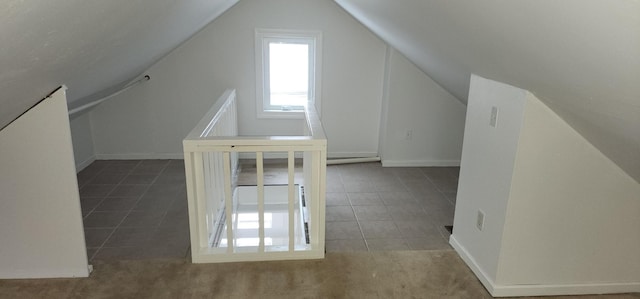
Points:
x=317 y=198
x=41 y=233
x=320 y=196
x=208 y=189
x=228 y=201
x=215 y=140
x=260 y=181
x=291 y=196
x=224 y=104
x=201 y=205
x=262 y=38
x=192 y=202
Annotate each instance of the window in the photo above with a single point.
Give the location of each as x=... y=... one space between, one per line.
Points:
x=287 y=72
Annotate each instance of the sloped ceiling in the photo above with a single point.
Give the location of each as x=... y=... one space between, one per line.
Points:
x=91 y=46
x=581 y=56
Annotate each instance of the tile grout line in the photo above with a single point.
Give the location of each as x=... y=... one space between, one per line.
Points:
x=118 y=225
x=366 y=244
x=131 y=209
x=158 y=173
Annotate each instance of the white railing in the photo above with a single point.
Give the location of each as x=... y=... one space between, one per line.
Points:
x=261 y=222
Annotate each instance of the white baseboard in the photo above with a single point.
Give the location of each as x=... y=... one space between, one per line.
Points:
x=419 y=163
x=341 y=155
x=471 y=263
x=566 y=289
x=54 y=273
x=82 y=165
x=141 y=156
x=541 y=289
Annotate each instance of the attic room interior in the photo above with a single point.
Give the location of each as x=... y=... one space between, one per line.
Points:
x=515 y=123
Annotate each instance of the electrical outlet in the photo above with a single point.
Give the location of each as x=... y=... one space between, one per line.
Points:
x=480 y=220
x=493 y=121
x=408 y=135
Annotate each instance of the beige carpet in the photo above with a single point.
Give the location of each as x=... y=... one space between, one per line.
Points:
x=392 y=274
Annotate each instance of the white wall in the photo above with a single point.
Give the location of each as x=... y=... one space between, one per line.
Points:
x=488 y=157
x=573 y=213
x=414 y=102
x=81 y=135
x=152 y=119
x=579 y=57
x=560 y=217
x=40 y=219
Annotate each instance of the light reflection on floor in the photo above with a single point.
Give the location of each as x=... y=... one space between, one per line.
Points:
x=246 y=224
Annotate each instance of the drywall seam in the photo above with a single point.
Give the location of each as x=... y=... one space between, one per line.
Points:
x=384 y=111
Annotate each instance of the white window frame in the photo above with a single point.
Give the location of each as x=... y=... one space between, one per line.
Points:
x=262 y=39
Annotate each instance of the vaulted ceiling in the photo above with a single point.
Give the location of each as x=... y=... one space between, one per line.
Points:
x=91 y=46
x=581 y=56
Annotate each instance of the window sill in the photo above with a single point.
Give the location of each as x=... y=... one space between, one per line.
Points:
x=281 y=114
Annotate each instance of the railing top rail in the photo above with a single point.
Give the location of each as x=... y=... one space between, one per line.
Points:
x=248 y=139
x=255 y=141
x=313 y=122
x=209 y=120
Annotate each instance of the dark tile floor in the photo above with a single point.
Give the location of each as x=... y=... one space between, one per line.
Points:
x=137 y=209
x=374 y=208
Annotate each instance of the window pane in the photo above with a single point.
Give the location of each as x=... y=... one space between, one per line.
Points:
x=288 y=74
